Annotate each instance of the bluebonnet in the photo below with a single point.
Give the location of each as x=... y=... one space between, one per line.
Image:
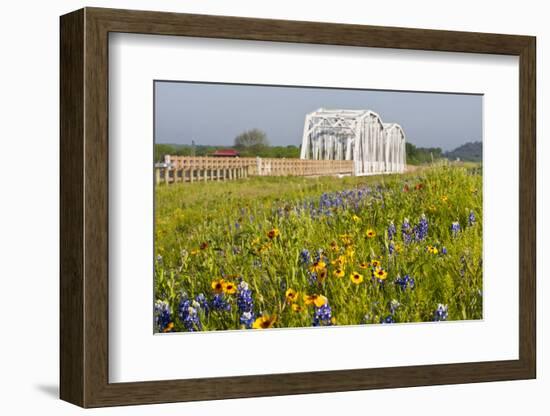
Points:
x=188 y=315
x=471 y=218
x=391 y=247
x=245 y=303
x=406 y=231
x=391 y=231
x=322 y=316
x=305 y=257
x=162 y=315
x=312 y=277
x=455 y=228
x=441 y=313
x=220 y=303
x=203 y=303
x=444 y=250
x=405 y=282
x=421 y=229
x=387 y=320
x=247 y=319
x=394 y=304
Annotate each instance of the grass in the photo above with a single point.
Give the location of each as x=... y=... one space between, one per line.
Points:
x=285 y=251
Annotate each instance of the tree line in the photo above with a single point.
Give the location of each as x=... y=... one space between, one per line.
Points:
x=252 y=143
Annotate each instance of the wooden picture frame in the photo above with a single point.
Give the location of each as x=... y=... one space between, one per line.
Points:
x=84 y=207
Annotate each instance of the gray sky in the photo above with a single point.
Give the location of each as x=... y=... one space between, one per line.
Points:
x=215 y=113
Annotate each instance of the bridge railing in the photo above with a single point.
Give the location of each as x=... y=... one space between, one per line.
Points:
x=194 y=168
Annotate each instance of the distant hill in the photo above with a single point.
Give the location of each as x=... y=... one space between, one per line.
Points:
x=468 y=152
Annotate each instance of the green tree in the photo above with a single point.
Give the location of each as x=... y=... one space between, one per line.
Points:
x=163 y=149
x=251 y=142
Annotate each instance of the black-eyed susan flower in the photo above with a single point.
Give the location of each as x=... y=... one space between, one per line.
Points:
x=217 y=285
x=264 y=247
x=273 y=233
x=322 y=275
x=339 y=262
x=264 y=322
x=364 y=265
x=229 y=287
x=320 y=300
x=356 y=278
x=317 y=266
x=296 y=308
x=380 y=273
x=317 y=300
x=375 y=264
x=346 y=239
x=334 y=246
x=338 y=273
x=291 y=295
x=432 y=250
x=370 y=233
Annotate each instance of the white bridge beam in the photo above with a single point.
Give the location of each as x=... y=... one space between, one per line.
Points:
x=358 y=135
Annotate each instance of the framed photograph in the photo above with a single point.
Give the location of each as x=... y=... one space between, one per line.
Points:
x=255 y=207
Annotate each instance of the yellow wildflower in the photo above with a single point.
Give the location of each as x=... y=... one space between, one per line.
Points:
x=380 y=273
x=229 y=288
x=318 y=266
x=291 y=295
x=264 y=322
x=296 y=308
x=317 y=300
x=338 y=273
x=274 y=232
x=356 y=278
x=217 y=285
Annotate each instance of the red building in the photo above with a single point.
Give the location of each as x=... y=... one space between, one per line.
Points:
x=226 y=153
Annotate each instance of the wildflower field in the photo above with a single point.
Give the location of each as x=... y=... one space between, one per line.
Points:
x=297 y=252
